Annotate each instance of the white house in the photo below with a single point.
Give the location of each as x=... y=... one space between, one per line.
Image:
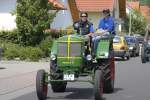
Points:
x=7 y=20
x=65 y=18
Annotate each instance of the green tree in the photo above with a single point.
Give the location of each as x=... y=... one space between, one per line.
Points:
x=138 y=22
x=145 y=2
x=32 y=19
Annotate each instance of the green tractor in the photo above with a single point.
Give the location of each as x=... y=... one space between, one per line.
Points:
x=71 y=58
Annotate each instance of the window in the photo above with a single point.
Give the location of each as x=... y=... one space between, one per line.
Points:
x=116 y=40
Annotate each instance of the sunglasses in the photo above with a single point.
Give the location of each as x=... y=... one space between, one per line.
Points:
x=83 y=16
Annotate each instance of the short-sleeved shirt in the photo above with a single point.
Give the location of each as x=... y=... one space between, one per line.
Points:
x=107 y=24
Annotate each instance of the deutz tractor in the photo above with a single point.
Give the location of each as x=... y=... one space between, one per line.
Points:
x=71 y=58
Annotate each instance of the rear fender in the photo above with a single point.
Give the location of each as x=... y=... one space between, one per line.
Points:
x=103 y=49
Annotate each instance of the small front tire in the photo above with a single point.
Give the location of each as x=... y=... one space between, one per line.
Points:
x=41 y=85
x=98 y=85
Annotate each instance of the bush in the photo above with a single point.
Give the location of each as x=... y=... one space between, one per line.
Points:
x=32 y=53
x=55 y=33
x=32 y=18
x=12 y=51
x=11 y=36
x=45 y=46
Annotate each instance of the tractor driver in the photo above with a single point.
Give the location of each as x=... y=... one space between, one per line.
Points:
x=106 y=25
x=83 y=26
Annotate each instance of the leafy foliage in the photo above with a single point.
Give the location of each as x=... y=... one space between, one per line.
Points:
x=138 y=22
x=32 y=19
x=12 y=51
x=11 y=36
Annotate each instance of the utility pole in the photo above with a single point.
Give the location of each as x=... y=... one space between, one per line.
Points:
x=130 y=24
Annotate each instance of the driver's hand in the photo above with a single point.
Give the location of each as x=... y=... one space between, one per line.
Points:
x=90 y=34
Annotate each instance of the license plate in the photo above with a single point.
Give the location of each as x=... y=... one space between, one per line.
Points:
x=69 y=77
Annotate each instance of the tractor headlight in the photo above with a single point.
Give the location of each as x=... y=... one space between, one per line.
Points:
x=53 y=57
x=106 y=54
x=130 y=48
x=89 y=57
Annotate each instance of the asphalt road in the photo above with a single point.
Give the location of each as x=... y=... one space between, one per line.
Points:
x=131 y=83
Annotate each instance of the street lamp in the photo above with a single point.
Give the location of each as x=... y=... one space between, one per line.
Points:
x=130 y=23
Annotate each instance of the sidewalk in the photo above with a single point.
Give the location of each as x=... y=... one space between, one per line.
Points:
x=17 y=76
x=12 y=68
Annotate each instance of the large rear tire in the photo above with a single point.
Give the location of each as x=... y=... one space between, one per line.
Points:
x=41 y=85
x=98 y=85
x=109 y=76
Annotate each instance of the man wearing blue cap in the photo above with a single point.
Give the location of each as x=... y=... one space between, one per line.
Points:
x=106 y=25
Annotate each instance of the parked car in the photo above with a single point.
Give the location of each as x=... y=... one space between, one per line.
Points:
x=121 y=48
x=139 y=38
x=134 y=47
x=145 y=52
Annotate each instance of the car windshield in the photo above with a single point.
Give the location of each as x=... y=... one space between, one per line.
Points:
x=149 y=42
x=130 y=40
x=116 y=40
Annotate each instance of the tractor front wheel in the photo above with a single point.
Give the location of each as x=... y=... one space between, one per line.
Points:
x=98 y=85
x=41 y=85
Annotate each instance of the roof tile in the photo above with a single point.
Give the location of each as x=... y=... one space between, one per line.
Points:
x=94 y=5
x=56 y=4
x=134 y=5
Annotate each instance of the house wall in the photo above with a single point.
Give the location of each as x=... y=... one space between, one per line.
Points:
x=94 y=17
x=63 y=18
x=7 y=21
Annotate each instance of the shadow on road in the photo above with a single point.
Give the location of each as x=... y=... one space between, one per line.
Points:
x=116 y=90
x=76 y=93
x=2 y=68
x=70 y=94
x=80 y=93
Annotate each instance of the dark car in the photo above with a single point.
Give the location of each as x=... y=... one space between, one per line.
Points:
x=133 y=44
x=145 y=52
x=140 y=38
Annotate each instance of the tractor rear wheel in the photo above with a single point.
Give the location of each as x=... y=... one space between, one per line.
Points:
x=98 y=85
x=41 y=85
x=109 y=75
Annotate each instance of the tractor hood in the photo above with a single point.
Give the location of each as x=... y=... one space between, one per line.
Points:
x=68 y=50
x=68 y=39
x=71 y=38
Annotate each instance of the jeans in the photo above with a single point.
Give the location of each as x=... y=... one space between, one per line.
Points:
x=95 y=41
